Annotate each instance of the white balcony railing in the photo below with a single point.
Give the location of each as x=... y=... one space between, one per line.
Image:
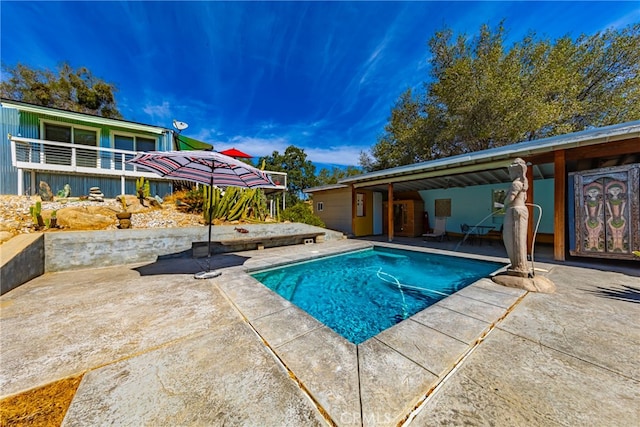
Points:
x=75 y=159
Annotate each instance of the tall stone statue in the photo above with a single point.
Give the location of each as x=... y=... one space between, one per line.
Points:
x=516 y=219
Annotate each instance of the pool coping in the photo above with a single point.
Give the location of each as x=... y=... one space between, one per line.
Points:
x=385 y=378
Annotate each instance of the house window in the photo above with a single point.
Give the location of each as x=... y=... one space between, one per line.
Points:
x=360 y=211
x=319 y=207
x=443 y=207
x=71 y=134
x=133 y=143
x=129 y=142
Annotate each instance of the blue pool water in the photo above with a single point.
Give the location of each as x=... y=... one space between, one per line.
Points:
x=360 y=294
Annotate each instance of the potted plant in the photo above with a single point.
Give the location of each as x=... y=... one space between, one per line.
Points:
x=53 y=221
x=124 y=217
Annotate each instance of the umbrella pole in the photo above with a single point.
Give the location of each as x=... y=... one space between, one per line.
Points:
x=209 y=215
x=209 y=274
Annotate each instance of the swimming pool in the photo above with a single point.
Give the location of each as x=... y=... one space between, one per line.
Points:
x=360 y=294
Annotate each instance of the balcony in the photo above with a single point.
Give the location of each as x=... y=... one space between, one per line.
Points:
x=33 y=155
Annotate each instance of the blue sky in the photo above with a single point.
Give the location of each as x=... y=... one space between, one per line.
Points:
x=260 y=76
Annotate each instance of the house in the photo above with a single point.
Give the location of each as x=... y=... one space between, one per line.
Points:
x=584 y=184
x=44 y=144
x=63 y=147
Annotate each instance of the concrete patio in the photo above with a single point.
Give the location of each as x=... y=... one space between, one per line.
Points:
x=158 y=347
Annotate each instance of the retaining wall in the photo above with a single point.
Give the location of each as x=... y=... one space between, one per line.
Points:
x=89 y=249
x=21 y=259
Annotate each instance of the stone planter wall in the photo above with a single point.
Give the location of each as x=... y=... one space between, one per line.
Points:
x=74 y=250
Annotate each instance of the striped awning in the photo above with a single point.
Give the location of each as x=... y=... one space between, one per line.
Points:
x=204 y=167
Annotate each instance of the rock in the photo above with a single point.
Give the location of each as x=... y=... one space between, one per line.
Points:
x=45 y=192
x=86 y=218
x=134 y=205
x=532 y=284
x=95 y=195
x=4 y=236
x=9 y=225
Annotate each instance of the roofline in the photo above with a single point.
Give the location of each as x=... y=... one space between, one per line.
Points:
x=324 y=188
x=83 y=117
x=527 y=148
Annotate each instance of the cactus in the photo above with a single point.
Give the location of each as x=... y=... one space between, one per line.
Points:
x=123 y=200
x=234 y=204
x=142 y=187
x=207 y=201
x=36 y=214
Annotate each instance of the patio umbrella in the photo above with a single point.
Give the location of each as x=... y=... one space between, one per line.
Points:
x=208 y=168
x=233 y=152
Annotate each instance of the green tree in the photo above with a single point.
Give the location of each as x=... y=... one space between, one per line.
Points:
x=68 y=89
x=301 y=212
x=326 y=176
x=300 y=171
x=482 y=95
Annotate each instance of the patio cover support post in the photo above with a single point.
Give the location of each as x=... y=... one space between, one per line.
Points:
x=353 y=209
x=531 y=222
x=559 y=204
x=122 y=184
x=390 y=211
x=20 y=182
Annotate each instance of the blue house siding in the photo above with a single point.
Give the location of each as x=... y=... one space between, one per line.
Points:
x=80 y=184
x=9 y=124
x=471 y=205
x=30 y=128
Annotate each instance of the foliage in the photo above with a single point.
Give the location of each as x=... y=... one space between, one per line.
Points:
x=300 y=171
x=68 y=89
x=188 y=200
x=234 y=204
x=326 y=176
x=483 y=95
x=301 y=212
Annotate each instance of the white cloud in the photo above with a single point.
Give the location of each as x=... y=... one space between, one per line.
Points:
x=625 y=20
x=338 y=155
x=257 y=147
x=207 y=135
x=162 y=111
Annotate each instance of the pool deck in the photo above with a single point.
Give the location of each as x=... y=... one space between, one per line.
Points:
x=158 y=347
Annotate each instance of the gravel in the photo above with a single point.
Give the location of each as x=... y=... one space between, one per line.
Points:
x=16 y=219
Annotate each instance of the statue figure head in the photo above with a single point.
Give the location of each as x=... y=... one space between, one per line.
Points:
x=518 y=169
x=518 y=172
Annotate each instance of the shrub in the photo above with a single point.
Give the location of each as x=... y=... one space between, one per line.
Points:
x=301 y=212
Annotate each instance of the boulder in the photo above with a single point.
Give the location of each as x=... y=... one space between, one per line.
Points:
x=86 y=217
x=45 y=192
x=9 y=225
x=134 y=205
x=4 y=236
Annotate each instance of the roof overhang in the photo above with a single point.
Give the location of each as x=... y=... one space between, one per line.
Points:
x=487 y=166
x=87 y=118
x=325 y=188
